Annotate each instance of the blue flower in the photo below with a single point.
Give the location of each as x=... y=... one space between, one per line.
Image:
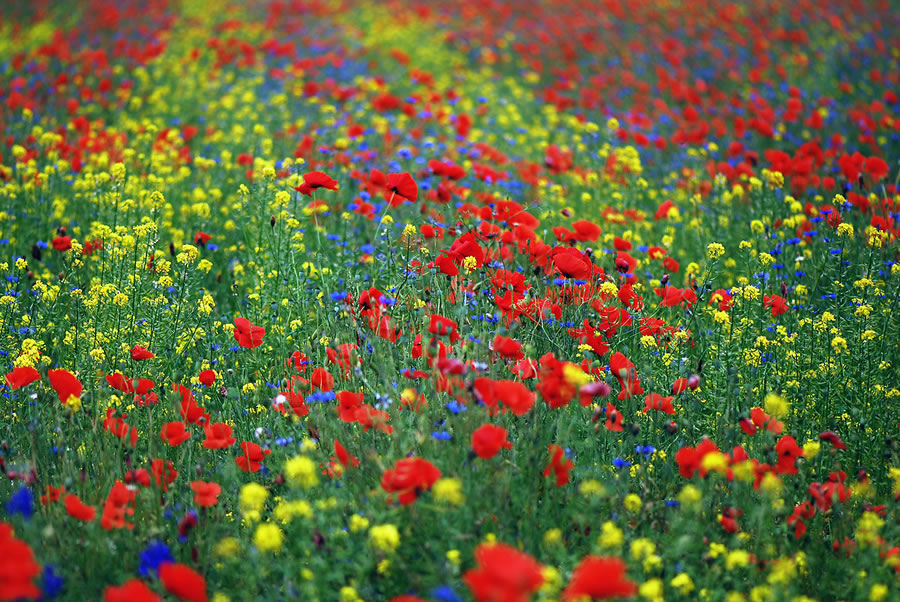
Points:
x=442 y=435
x=444 y=593
x=620 y=463
x=155 y=554
x=51 y=582
x=21 y=502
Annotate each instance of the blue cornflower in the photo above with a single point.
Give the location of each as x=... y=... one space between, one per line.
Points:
x=155 y=554
x=21 y=502
x=620 y=463
x=442 y=435
x=444 y=593
x=51 y=582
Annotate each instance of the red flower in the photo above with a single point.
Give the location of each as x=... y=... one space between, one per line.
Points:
x=559 y=465
x=163 y=473
x=62 y=243
x=183 y=582
x=679 y=386
x=401 y=187
x=503 y=574
x=207 y=378
x=655 y=401
x=21 y=377
x=802 y=512
x=348 y=403
x=689 y=458
x=488 y=440
x=788 y=452
x=515 y=396
x=251 y=460
x=510 y=349
x=139 y=353
x=322 y=379
x=17 y=567
x=833 y=439
x=190 y=412
x=65 y=384
x=175 y=433
x=201 y=238
x=599 y=578
x=572 y=263
x=52 y=494
x=369 y=417
x=344 y=457
x=613 y=418
x=625 y=373
x=408 y=478
x=206 y=494
x=877 y=168
x=778 y=304
x=218 y=436
x=315 y=180
x=78 y=509
x=119 y=505
x=761 y=420
x=133 y=590
x=246 y=334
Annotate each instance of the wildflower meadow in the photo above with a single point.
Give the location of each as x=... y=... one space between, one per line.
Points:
x=494 y=301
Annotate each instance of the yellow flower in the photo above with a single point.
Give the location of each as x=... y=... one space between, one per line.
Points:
x=348 y=594
x=252 y=500
x=652 y=590
x=448 y=491
x=878 y=592
x=358 y=523
x=385 y=538
x=737 y=559
x=286 y=511
x=301 y=471
x=453 y=556
x=642 y=548
x=552 y=536
x=811 y=449
x=683 y=583
x=591 y=488
x=469 y=263
x=776 y=405
x=228 y=547
x=268 y=537
x=611 y=536
x=689 y=495
x=633 y=502
x=714 y=250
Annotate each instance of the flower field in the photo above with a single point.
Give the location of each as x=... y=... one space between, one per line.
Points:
x=335 y=300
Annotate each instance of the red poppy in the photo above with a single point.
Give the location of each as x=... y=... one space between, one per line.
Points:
x=206 y=494
x=163 y=473
x=17 y=567
x=876 y=168
x=788 y=452
x=218 y=436
x=344 y=457
x=133 y=590
x=778 y=304
x=514 y=395
x=599 y=578
x=408 y=478
x=139 y=353
x=559 y=465
x=201 y=238
x=322 y=379
x=689 y=458
x=503 y=573
x=118 y=427
x=62 y=243
x=183 y=582
x=252 y=458
x=315 y=180
x=802 y=512
x=572 y=263
x=508 y=348
x=65 y=384
x=190 y=412
x=614 y=418
x=348 y=403
x=52 y=494
x=679 y=386
x=370 y=417
x=488 y=440
x=175 y=433
x=21 y=377
x=655 y=401
x=833 y=438
x=119 y=505
x=401 y=187
x=207 y=378
x=78 y=509
x=624 y=371
x=246 y=334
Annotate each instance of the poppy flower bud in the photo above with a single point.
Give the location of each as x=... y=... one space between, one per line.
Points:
x=61 y=231
x=279 y=480
x=621 y=265
x=693 y=382
x=565 y=213
x=272 y=221
x=30 y=275
x=664 y=280
x=634 y=429
x=36 y=252
x=784 y=289
x=172 y=249
x=672 y=428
